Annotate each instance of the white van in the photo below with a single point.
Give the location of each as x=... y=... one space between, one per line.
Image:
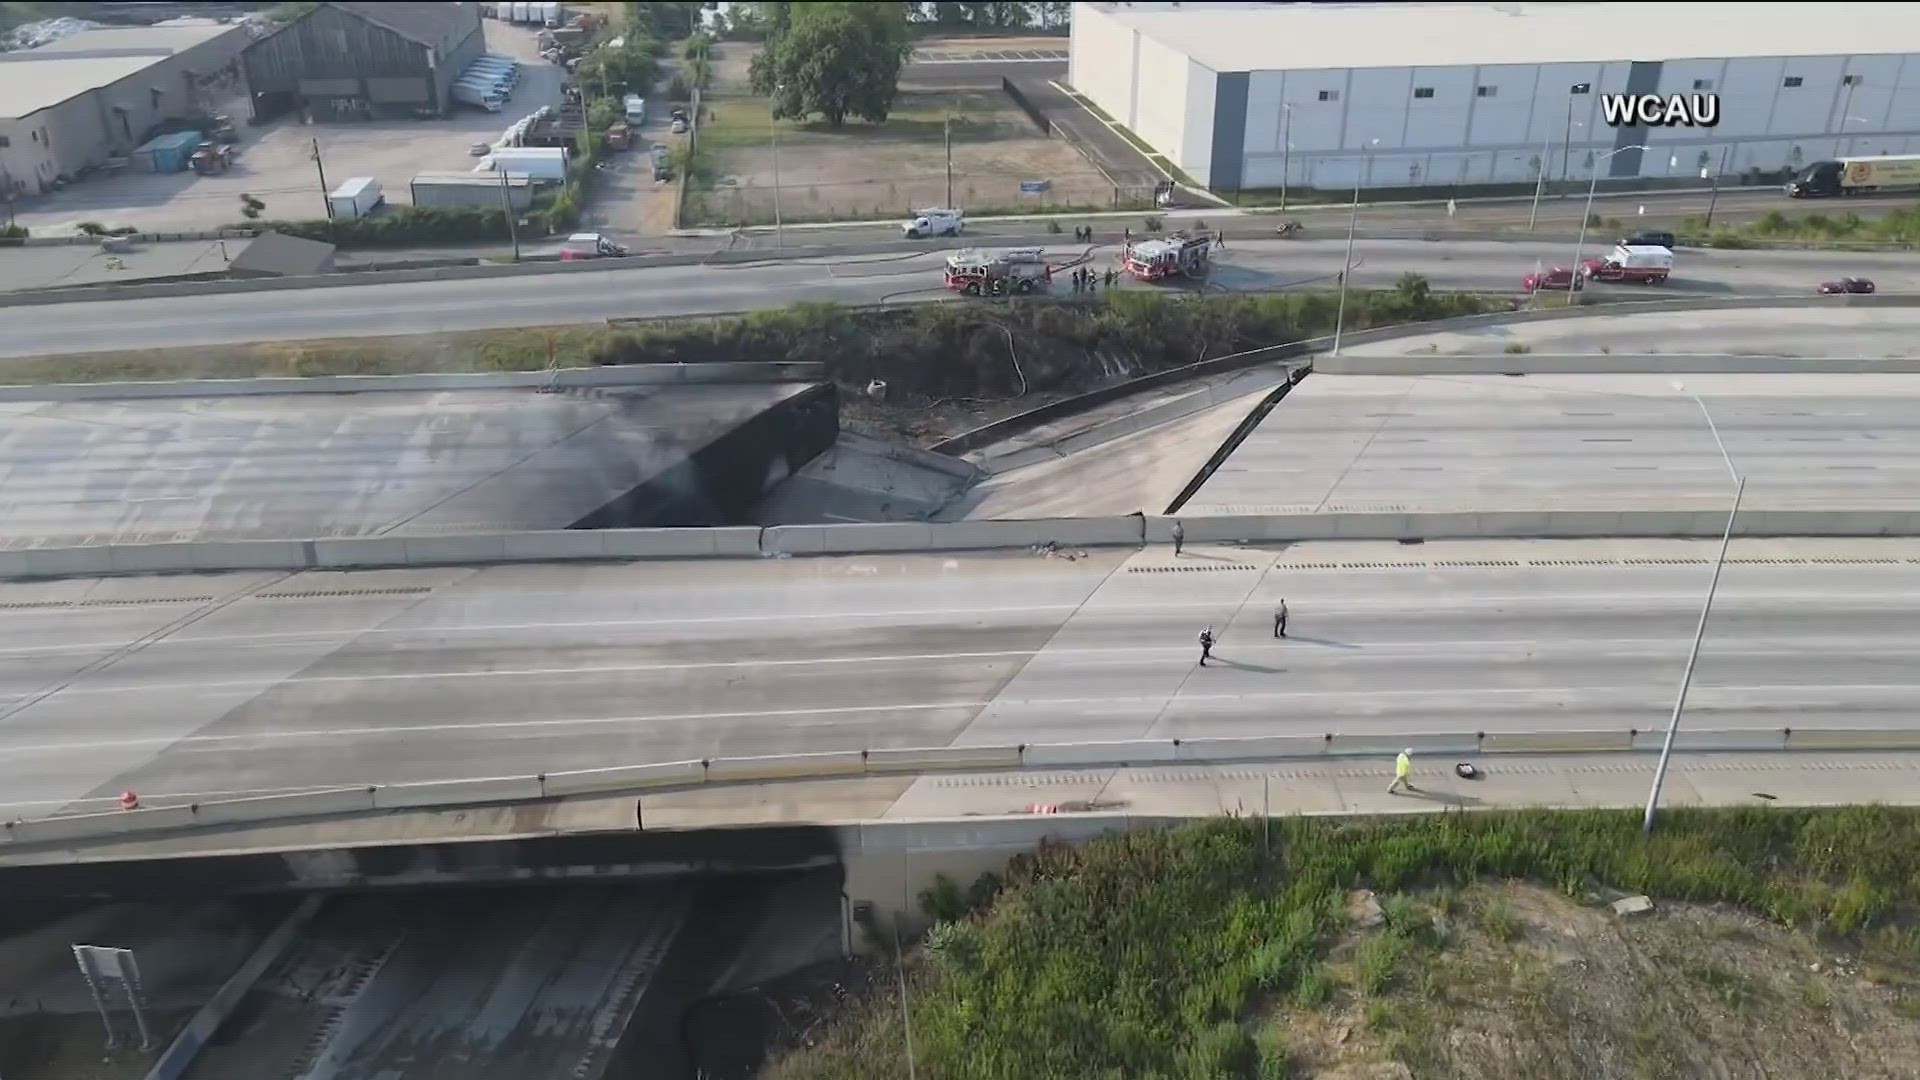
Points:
x=939 y=221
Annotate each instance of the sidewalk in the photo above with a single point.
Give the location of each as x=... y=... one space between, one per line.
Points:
x=1588 y=781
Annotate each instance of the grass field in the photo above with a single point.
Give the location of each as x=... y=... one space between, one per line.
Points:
x=1782 y=944
x=879 y=171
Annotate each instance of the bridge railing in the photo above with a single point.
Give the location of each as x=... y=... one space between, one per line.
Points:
x=166 y=816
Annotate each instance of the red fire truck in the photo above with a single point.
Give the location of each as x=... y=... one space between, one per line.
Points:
x=983 y=273
x=1175 y=255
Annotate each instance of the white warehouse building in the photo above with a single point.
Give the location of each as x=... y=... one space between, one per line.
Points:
x=1258 y=96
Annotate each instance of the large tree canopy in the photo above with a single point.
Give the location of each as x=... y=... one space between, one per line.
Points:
x=836 y=60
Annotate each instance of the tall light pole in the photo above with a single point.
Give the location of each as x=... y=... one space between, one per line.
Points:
x=773 y=136
x=1353 y=218
x=1851 y=120
x=1846 y=107
x=1286 y=149
x=1586 y=215
x=1539 y=179
x=1714 y=199
x=1706 y=610
x=946 y=137
x=1566 y=144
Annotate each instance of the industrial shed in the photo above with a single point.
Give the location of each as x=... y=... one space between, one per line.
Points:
x=355 y=61
x=97 y=94
x=1254 y=96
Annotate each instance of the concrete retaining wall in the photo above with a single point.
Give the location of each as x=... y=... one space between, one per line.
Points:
x=1611 y=364
x=561 y=379
x=78 y=829
x=741 y=542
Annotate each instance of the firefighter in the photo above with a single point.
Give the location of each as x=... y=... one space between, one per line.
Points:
x=1280 y=620
x=1179 y=537
x=1206 y=645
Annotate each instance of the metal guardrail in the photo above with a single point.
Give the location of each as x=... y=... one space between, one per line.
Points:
x=912 y=761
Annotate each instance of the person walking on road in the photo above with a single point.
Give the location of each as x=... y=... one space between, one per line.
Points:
x=1280 y=620
x=1179 y=538
x=1206 y=645
x=1402 y=768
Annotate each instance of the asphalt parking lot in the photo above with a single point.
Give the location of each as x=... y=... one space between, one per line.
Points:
x=275 y=162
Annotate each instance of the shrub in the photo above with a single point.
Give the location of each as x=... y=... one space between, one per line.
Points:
x=413 y=225
x=1500 y=922
x=1153 y=223
x=91 y=228
x=1516 y=347
x=13 y=235
x=1379 y=960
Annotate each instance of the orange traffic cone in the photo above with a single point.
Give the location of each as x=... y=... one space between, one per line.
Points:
x=129 y=801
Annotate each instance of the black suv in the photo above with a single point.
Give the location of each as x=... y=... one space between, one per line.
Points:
x=1649 y=239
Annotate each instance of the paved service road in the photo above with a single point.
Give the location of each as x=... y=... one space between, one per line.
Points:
x=234 y=683
x=1786 y=331
x=561 y=298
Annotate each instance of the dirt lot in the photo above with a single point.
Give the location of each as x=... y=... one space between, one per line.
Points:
x=275 y=163
x=880 y=171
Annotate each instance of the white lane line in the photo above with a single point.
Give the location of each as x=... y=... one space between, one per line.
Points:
x=1611 y=602
x=1653 y=694
x=1724 y=649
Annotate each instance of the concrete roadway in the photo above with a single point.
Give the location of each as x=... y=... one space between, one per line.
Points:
x=206 y=686
x=1829 y=332
x=354 y=311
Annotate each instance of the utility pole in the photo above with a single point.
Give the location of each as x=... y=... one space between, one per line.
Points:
x=773 y=135
x=946 y=131
x=1353 y=219
x=325 y=200
x=1286 y=149
x=506 y=204
x=1714 y=200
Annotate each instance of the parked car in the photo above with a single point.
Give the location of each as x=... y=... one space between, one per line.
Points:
x=1650 y=239
x=1558 y=277
x=1858 y=285
x=589 y=246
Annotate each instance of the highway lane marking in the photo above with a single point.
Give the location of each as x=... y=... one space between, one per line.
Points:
x=1724 y=649
x=1655 y=697
x=1611 y=602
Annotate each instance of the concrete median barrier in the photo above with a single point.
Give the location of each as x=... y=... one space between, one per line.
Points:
x=1853 y=739
x=65 y=562
x=625 y=778
x=496 y=789
x=611 y=375
x=1097 y=754
x=787 y=766
x=284 y=807
x=1555 y=742
x=1252 y=748
x=558 y=545
x=250 y=555
x=844 y=539
x=665 y=543
x=70 y=828
x=1707 y=739
x=942 y=759
x=1066 y=532
x=149 y=558
x=1387 y=746
x=453 y=550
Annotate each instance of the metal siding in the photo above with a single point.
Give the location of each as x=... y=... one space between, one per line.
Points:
x=331 y=44
x=1642 y=78
x=1162 y=117
x=1229 y=130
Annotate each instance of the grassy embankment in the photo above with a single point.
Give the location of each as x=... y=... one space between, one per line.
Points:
x=925 y=353
x=1217 y=951
x=1894 y=226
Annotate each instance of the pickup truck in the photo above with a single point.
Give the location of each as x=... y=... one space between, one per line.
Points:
x=1644 y=263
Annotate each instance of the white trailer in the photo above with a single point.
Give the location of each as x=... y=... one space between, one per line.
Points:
x=355 y=198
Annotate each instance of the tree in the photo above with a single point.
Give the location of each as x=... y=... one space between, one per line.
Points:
x=837 y=60
x=250 y=207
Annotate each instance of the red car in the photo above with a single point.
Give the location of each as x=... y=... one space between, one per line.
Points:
x=1558 y=277
x=1857 y=285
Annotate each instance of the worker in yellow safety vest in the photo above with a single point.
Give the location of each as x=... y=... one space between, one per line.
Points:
x=1402 y=768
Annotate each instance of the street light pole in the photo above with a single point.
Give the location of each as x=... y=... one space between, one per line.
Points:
x=946 y=137
x=1353 y=218
x=1586 y=215
x=773 y=135
x=506 y=204
x=1539 y=180
x=1286 y=149
x=1714 y=199
x=1706 y=610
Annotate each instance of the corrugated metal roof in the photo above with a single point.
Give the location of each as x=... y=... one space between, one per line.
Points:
x=1301 y=37
x=158 y=40
x=442 y=25
x=28 y=86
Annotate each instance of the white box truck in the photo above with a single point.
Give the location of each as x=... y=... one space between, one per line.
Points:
x=545 y=164
x=355 y=198
x=635 y=108
x=938 y=221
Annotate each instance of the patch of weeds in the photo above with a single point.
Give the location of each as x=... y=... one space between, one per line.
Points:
x=1518 y=347
x=1314 y=989
x=1500 y=922
x=1378 y=961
